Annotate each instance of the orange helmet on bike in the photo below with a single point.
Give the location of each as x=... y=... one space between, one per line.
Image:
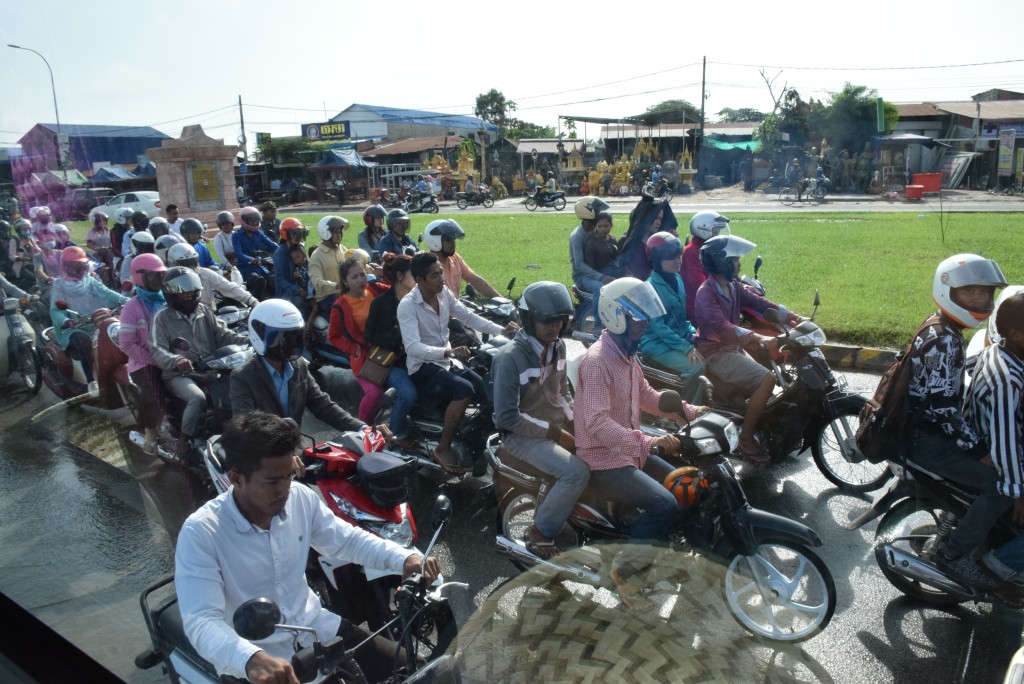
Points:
x=687 y=485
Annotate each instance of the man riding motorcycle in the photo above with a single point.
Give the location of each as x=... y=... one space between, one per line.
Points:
x=440 y=237
x=248 y=243
x=213 y=281
x=533 y=407
x=703 y=226
x=325 y=260
x=397 y=240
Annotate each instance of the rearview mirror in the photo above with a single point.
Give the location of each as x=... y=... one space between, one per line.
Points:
x=817 y=299
x=442 y=511
x=670 y=402
x=511 y=284
x=470 y=291
x=757 y=264
x=256 y=619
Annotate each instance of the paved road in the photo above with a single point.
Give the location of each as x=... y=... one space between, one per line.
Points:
x=80 y=537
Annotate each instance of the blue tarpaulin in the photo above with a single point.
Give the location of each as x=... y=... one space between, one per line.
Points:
x=112 y=174
x=343 y=158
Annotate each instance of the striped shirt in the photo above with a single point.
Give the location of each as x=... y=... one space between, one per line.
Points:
x=994 y=407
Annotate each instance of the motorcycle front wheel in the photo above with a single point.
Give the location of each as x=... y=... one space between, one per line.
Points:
x=783 y=592
x=488 y=202
x=531 y=204
x=849 y=474
x=667 y=196
x=462 y=203
x=787 y=195
x=910 y=527
x=31 y=370
x=560 y=204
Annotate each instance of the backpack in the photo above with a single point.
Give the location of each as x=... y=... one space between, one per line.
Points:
x=884 y=428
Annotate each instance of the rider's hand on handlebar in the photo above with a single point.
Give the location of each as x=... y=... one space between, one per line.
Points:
x=264 y=668
x=794 y=319
x=511 y=329
x=431 y=567
x=666 y=444
x=459 y=352
x=68 y=323
x=183 y=365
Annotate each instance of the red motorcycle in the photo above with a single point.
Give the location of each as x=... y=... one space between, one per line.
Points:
x=66 y=378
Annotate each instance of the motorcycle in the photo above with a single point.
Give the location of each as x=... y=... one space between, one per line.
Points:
x=774 y=585
x=390 y=199
x=213 y=374
x=18 y=352
x=481 y=196
x=423 y=624
x=919 y=510
x=427 y=417
x=541 y=198
x=658 y=189
x=66 y=378
x=500 y=310
x=425 y=203
x=319 y=351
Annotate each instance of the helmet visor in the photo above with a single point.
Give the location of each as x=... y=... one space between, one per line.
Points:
x=283 y=345
x=983 y=272
x=642 y=303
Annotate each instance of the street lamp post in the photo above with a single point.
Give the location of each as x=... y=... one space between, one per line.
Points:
x=56 y=112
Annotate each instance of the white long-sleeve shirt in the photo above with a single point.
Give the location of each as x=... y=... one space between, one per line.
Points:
x=425 y=331
x=223 y=560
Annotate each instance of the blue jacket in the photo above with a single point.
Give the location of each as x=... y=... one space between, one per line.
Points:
x=393 y=244
x=673 y=330
x=284 y=270
x=205 y=258
x=246 y=245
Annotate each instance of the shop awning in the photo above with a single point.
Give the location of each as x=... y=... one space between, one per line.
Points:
x=752 y=145
x=336 y=158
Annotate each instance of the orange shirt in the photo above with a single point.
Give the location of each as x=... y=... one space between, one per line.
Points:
x=360 y=308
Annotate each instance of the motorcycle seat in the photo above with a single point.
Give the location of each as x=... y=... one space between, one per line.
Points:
x=923 y=472
x=510 y=460
x=171 y=627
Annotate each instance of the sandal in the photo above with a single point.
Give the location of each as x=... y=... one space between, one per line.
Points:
x=757 y=457
x=450 y=468
x=543 y=548
x=405 y=443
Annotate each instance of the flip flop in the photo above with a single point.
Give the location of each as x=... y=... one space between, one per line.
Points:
x=449 y=468
x=757 y=457
x=546 y=548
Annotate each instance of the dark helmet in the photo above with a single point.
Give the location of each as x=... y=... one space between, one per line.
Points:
x=716 y=252
x=140 y=220
x=181 y=288
x=143 y=243
x=159 y=227
x=661 y=246
x=23 y=227
x=374 y=211
x=397 y=215
x=544 y=301
x=6 y=229
x=225 y=217
x=191 y=225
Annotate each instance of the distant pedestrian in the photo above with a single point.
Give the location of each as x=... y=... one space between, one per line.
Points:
x=339 y=188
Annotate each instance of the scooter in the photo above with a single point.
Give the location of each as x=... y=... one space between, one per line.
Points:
x=481 y=196
x=425 y=203
x=919 y=510
x=65 y=377
x=500 y=310
x=773 y=584
x=18 y=352
x=423 y=624
x=541 y=198
x=319 y=351
x=658 y=189
x=426 y=420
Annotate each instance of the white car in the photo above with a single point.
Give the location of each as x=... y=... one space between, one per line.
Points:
x=144 y=200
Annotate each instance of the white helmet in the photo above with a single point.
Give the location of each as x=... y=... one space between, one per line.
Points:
x=142 y=242
x=441 y=228
x=123 y=216
x=183 y=254
x=961 y=270
x=628 y=298
x=165 y=242
x=324 y=226
x=276 y=330
x=587 y=208
x=993 y=334
x=707 y=224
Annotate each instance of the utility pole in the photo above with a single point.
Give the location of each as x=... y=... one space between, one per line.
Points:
x=242 y=140
x=700 y=141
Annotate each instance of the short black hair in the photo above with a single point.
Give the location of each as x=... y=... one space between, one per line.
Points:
x=297 y=248
x=1010 y=316
x=250 y=438
x=171 y=207
x=421 y=264
x=267 y=206
x=604 y=215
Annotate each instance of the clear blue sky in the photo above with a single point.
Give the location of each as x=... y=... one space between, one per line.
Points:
x=176 y=63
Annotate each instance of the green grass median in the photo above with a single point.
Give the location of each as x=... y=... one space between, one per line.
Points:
x=873 y=270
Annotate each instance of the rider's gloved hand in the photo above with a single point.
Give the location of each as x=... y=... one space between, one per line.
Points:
x=68 y=323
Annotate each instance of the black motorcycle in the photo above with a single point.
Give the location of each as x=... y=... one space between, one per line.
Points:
x=481 y=196
x=18 y=352
x=774 y=586
x=542 y=198
x=425 y=203
x=658 y=189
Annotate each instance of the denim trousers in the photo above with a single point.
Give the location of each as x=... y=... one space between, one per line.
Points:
x=939 y=453
x=570 y=473
x=651 y=506
x=405 y=400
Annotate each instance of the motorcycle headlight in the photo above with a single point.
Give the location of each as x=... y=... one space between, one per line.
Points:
x=228 y=362
x=815 y=338
x=400 y=533
x=708 y=446
x=113 y=331
x=349 y=509
x=732 y=436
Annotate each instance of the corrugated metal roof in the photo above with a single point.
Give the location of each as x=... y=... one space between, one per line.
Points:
x=1000 y=110
x=915 y=109
x=546 y=145
x=90 y=131
x=411 y=145
x=676 y=130
x=418 y=116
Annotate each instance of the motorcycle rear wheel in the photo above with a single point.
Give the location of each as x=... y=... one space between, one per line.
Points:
x=666 y=196
x=432 y=208
x=488 y=202
x=910 y=527
x=864 y=476
x=818 y=196
x=462 y=203
x=560 y=204
x=531 y=204
x=31 y=370
x=802 y=592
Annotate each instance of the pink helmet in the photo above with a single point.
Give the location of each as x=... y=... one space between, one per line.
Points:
x=146 y=262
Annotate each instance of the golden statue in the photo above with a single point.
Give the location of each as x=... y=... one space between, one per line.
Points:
x=594 y=181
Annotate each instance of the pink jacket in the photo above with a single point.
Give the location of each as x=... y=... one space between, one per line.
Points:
x=133 y=338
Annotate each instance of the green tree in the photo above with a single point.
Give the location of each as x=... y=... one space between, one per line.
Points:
x=742 y=115
x=849 y=119
x=685 y=110
x=290 y=150
x=494 y=108
x=770 y=137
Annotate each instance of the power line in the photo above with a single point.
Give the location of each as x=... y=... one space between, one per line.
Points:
x=905 y=68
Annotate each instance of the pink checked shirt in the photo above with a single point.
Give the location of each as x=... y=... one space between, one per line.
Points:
x=611 y=393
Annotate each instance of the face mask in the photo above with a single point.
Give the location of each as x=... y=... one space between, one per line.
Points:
x=49 y=245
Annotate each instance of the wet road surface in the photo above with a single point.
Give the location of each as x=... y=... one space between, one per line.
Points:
x=84 y=530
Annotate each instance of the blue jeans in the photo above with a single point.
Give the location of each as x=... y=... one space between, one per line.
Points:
x=324 y=306
x=454 y=384
x=570 y=473
x=405 y=399
x=651 y=506
x=939 y=453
